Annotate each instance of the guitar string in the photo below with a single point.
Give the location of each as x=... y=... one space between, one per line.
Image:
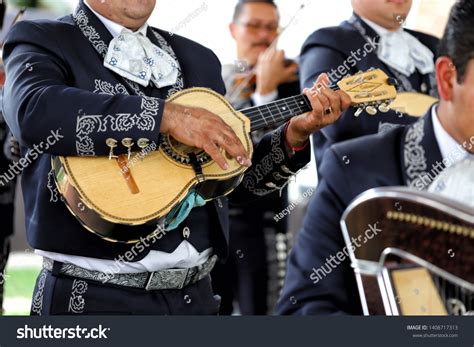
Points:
x=261 y=121
x=299 y=100
x=294 y=106
x=284 y=110
x=259 y=115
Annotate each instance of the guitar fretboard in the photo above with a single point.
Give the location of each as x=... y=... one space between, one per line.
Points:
x=277 y=112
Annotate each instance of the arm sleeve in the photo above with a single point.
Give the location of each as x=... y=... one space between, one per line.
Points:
x=40 y=101
x=271 y=167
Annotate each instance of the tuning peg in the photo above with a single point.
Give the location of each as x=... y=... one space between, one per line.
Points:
x=111 y=143
x=128 y=143
x=143 y=143
x=383 y=108
x=358 y=112
x=371 y=110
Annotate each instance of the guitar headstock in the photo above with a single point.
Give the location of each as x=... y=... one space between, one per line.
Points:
x=371 y=91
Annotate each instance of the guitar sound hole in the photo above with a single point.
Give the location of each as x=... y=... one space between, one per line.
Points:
x=179 y=152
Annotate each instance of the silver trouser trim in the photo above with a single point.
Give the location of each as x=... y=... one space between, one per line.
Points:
x=157 y=280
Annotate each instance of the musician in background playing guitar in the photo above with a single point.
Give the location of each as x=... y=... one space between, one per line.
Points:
x=373 y=37
x=103 y=74
x=320 y=279
x=267 y=76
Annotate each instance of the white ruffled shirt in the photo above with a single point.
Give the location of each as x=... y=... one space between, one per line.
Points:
x=402 y=51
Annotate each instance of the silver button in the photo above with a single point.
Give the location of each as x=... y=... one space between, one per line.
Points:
x=186 y=232
x=424 y=87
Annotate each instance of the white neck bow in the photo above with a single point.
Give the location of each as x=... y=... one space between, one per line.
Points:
x=403 y=52
x=133 y=56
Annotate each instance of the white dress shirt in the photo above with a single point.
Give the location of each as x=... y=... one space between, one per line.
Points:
x=184 y=256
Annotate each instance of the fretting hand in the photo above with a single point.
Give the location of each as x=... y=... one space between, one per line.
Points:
x=327 y=105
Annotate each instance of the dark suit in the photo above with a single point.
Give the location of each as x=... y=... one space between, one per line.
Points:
x=56 y=82
x=399 y=157
x=330 y=48
x=245 y=277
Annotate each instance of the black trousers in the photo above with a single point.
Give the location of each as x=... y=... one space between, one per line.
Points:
x=243 y=278
x=4 y=251
x=61 y=295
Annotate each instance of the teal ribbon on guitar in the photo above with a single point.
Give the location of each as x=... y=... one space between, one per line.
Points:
x=180 y=212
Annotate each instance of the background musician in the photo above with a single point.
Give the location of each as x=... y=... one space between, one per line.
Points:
x=245 y=277
x=320 y=279
x=373 y=37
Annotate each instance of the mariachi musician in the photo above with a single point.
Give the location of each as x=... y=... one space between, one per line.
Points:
x=374 y=37
x=260 y=75
x=59 y=70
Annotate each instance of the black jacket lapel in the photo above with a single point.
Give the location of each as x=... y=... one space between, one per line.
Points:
x=355 y=23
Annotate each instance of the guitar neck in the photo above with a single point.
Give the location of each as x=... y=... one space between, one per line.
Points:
x=370 y=90
x=276 y=112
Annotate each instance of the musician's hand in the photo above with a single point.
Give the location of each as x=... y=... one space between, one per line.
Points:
x=200 y=128
x=271 y=71
x=327 y=105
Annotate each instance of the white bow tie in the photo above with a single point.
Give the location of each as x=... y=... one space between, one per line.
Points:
x=135 y=57
x=405 y=53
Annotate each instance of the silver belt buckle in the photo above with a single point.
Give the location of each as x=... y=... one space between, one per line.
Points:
x=149 y=281
x=175 y=279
